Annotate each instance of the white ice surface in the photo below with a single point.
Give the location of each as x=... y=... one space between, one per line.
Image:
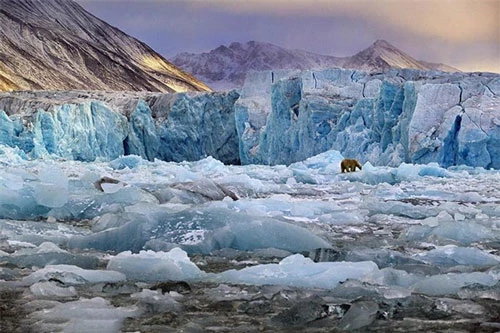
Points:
x=45 y=247
x=298 y=271
x=451 y=255
x=155 y=301
x=73 y=275
x=52 y=290
x=156 y=266
x=84 y=316
x=293 y=208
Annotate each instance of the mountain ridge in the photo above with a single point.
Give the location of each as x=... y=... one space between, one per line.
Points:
x=225 y=67
x=58 y=45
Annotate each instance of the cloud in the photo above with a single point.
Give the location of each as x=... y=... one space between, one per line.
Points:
x=459 y=21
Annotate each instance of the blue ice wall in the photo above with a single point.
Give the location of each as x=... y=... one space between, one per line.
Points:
x=389 y=118
x=84 y=132
x=6 y=129
x=192 y=126
x=171 y=127
x=386 y=118
x=142 y=139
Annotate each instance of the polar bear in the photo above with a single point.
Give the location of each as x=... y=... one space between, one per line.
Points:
x=349 y=165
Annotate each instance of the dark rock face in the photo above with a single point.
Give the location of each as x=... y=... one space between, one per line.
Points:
x=57 y=45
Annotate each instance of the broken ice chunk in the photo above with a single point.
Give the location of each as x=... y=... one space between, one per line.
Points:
x=50 y=289
x=451 y=255
x=463 y=232
x=156 y=302
x=52 y=188
x=360 y=314
x=10 y=181
x=298 y=271
x=448 y=284
x=156 y=266
x=48 y=253
x=73 y=275
x=85 y=315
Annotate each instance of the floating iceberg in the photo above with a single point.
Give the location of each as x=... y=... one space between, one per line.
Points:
x=50 y=290
x=203 y=229
x=156 y=266
x=298 y=271
x=156 y=302
x=451 y=255
x=48 y=253
x=84 y=315
x=73 y=275
x=449 y=284
x=464 y=233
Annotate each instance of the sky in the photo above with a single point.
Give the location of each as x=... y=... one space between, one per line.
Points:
x=461 y=33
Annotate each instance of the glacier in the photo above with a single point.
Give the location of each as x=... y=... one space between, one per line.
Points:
x=399 y=116
x=278 y=117
x=86 y=127
x=143 y=211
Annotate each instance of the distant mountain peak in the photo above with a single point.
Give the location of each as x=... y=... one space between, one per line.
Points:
x=382 y=55
x=382 y=43
x=226 y=66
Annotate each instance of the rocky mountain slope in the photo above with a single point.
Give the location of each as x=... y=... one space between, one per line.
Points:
x=57 y=45
x=380 y=56
x=226 y=66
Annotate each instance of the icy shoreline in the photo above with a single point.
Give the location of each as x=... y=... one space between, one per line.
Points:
x=274 y=247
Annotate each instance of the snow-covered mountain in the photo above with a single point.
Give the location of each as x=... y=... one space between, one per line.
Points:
x=380 y=56
x=57 y=45
x=226 y=66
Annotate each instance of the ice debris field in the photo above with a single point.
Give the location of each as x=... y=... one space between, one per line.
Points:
x=394 y=232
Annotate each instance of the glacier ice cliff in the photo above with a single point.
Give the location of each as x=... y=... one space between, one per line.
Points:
x=88 y=126
x=399 y=116
x=192 y=126
x=280 y=117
